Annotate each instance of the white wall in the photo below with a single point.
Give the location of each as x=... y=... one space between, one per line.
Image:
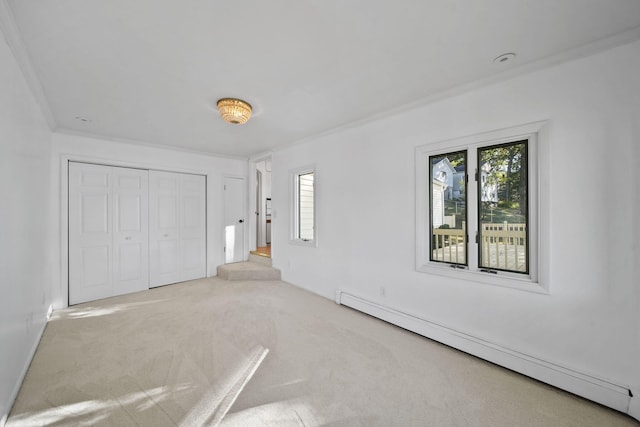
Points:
x=74 y=147
x=366 y=216
x=25 y=285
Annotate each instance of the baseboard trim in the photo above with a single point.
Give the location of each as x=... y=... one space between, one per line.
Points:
x=23 y=373
x=634 y=405
x=585 y=385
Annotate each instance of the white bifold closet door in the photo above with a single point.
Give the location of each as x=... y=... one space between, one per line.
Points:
x=177 y=227
x=108 y=231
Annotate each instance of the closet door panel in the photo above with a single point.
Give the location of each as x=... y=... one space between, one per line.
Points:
x=163 y=228
x=192 y=227
x=167 y=257
x=108 y=231
x=131 y=230
x=90 y=233
x=95 y=272
x=177 y=227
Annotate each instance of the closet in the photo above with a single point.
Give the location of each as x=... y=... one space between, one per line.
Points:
x=118 y=245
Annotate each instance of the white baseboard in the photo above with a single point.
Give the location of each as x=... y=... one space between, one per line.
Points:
x=634 y=405
x=23 y=373
x=596 y=389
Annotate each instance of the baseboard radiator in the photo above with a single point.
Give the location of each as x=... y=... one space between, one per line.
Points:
x=596 y=389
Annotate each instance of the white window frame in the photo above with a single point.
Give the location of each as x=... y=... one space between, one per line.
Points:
x=294 y=177
x=535 y=280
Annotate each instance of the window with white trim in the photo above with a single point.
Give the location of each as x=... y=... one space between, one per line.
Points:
x=303 y=202
x=503 y=208
x=477 y=204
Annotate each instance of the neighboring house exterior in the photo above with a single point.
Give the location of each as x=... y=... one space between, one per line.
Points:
x=437 y=210
x=443 y=172
x=458 y=181
x=489 y=191
x=444 y=180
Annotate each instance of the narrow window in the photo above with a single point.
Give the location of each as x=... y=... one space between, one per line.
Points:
x=448 y=214
x=303 y=203
x=306 y=218
x=503 y=208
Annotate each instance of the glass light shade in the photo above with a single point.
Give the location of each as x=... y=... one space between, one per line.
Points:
x=234 y=111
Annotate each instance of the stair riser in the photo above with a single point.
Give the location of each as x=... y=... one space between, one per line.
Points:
x=244 y=275
x=248 y=271
x=260 y=259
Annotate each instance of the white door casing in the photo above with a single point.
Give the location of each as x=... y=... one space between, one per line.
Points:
x=234 y=221
x=108 y=245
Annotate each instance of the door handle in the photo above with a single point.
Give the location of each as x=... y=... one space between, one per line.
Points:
x=127 y=238
x=241 y=220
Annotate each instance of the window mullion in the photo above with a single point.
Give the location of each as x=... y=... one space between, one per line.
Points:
x=472 y=208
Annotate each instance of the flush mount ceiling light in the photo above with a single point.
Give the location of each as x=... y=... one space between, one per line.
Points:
x=505 y=57
x=234 y=111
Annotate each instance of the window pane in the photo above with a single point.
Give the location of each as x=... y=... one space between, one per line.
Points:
x=448 y=194
x=305 y=206
x=503 y=207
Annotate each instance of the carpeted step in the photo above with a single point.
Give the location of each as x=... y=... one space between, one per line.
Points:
x=260 y=258
x=248 y=270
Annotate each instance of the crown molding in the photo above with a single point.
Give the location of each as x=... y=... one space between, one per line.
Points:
x=13 y=39
x=141 y=143
x=263 y=155
x=593 y=48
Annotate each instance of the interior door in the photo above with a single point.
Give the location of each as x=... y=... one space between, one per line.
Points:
x=193 y=245
x=234 y=223
x=163 y=227
x=90 y=233
x=108 y=241
x=131 y=230
x=177 y=227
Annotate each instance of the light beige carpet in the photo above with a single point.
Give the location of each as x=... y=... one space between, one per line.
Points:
x=213 y=352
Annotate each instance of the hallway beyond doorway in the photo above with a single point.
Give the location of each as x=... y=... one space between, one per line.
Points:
x=263 y=251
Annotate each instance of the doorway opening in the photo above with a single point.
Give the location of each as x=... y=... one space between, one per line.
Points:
x=234 y=226
x=263 y=208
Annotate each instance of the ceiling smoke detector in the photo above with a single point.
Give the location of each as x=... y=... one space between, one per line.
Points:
x=505 y=57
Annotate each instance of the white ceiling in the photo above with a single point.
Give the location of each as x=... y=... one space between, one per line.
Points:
x=152 y=70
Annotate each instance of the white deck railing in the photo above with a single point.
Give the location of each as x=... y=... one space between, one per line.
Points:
x=448 y=244
x=503 y=245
